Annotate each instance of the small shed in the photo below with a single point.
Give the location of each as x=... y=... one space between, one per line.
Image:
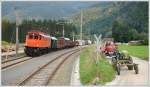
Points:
x=108 y=39
x=136 y=42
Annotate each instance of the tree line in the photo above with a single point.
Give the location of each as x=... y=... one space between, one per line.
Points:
x=124 y=33
x=50 y=27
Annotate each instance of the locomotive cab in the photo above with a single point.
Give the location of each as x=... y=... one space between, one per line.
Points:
x=37 y=43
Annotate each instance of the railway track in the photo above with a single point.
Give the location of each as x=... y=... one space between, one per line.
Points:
x=8 y=60
x=12 y=62
x=44 y=74
x=10 y=56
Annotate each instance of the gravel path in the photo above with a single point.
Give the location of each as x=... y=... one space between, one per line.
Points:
x=130 y=78
x=75 y=77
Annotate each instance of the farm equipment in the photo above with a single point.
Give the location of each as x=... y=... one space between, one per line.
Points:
x=109 y=49
x=123 y=59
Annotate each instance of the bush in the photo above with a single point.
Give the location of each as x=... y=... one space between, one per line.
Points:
x=145 y=42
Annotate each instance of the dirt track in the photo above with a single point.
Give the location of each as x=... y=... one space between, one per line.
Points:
x=130 y=78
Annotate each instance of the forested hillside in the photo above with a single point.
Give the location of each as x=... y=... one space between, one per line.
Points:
x=105 y=18
x=42 y=10
x=133 y=22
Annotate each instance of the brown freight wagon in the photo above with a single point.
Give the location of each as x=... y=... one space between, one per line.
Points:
x=61 y=43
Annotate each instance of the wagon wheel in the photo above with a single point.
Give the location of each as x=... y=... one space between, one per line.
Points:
x=136 y=68
x=118 y=69
x=39 y=53
x=130 y=67
x=114 y=60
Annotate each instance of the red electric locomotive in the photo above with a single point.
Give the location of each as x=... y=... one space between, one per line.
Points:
x=37 y=43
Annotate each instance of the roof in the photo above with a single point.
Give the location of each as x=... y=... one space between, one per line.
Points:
x=53 y=38
x=36 y=32
x=66 y=38
x=45 y=35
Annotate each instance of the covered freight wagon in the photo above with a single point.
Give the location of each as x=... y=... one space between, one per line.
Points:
x=61 y=43
x=53 y=43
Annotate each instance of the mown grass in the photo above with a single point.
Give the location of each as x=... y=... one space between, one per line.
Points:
x=107 y=73
x=88 y=68
x=137 y=51
x=4 y=43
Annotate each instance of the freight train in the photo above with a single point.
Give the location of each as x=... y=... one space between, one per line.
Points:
x=38 y=43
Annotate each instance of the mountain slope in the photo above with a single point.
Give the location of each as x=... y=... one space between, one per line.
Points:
x=99 y=18
x=42 y=9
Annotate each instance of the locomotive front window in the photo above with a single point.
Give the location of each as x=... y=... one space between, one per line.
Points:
x=36 y=37
x=40 y=37
x=30 y=36
x=33 y=36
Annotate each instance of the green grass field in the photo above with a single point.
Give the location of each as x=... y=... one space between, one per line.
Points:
x=88 y=68
x=137 y=51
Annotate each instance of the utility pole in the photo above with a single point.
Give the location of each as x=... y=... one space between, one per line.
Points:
x=17 y=24
x=81 y=27
x=63 y=25
x=73 y=36
x=63 y=30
